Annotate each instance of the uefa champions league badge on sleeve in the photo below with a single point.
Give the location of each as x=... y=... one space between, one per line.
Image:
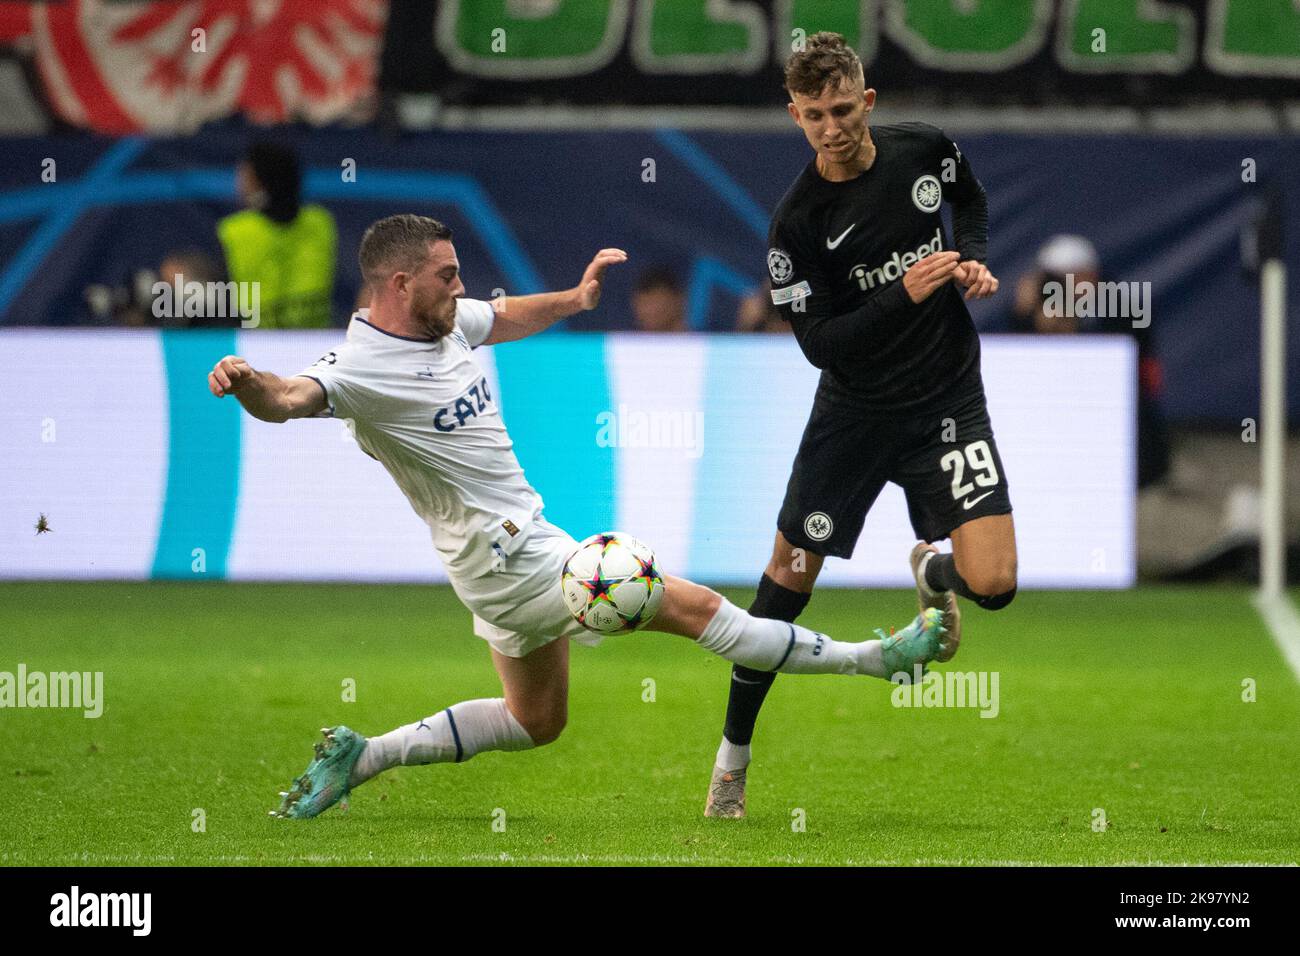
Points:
x=780 y=266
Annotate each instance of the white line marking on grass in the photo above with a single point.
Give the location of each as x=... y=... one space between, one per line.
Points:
x=1284 y=624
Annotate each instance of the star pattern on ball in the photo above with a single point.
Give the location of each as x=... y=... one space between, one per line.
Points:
x=597 y=587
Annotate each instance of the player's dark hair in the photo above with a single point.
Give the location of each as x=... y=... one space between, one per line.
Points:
x=398 y=244
x=276 y=168
x=826 y=60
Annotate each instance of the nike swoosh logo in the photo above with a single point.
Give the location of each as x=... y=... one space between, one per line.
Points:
x=741 y=680
x=832 y=245
x=968 y=505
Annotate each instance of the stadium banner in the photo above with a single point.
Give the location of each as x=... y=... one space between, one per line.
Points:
x=975 y=51
x=122 y=66
x=138 y=472
x=128 y=66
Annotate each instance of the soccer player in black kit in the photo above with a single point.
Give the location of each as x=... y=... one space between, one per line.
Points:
x=863 y=269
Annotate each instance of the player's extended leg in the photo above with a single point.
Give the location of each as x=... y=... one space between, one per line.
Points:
x=717 y=625
x=982 y=566
x=783 y=593
x=532 y=713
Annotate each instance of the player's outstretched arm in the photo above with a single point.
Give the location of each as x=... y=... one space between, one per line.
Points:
x=519 y=316
x=265 y=395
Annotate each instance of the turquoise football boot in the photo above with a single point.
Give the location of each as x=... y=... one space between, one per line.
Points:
x=325 y=781
x=918 y=643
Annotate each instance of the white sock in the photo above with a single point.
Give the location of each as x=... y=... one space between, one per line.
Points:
x=449 y=736
x=732 y=756
x=768 y=645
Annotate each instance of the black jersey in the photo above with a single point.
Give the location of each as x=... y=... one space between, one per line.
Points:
x=837 y=257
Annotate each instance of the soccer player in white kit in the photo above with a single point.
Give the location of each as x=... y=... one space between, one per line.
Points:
x=420 y=404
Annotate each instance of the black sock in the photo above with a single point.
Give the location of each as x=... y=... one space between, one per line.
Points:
x=941 y=575
x=749 y=687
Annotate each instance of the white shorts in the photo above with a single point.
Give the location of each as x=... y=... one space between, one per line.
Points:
x=520 y=607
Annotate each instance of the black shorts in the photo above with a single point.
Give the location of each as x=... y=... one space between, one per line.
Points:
x=945 y=461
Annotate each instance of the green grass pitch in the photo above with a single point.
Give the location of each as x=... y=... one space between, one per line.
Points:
x=1128 y=703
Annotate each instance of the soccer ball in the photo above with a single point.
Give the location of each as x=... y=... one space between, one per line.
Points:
x=611 y=583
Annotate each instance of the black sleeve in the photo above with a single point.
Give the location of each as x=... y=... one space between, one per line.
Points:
x=801 y=293
x=970 y=206
x=858 y=334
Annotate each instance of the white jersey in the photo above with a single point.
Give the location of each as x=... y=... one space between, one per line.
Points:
x=423 y=409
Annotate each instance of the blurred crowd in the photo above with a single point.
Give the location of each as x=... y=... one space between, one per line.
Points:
x=284 y=248
x=289 y=251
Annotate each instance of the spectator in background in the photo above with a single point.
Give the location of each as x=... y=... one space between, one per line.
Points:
x=125 y=302
x=193 y=265
x=757 y=313
x=1061 y=256
x=289 y=248
x=132 y=301
x=658 y=301
x=1076 y=258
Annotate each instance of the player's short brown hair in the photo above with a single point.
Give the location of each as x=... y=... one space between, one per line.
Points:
x=398 y=244
x=826 y=60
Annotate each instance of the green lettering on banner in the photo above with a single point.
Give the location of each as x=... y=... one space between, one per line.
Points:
x=855 y=20
x=1140 y=36
x=543 y=39
x=699 y=36
x=1253 y=37
x=969 y=34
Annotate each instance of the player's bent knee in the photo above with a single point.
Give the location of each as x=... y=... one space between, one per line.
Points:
x=992 y=581
x=548 y=736
x=545 y=728
x=998 y=601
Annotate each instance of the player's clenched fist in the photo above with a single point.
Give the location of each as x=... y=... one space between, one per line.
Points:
x=975 y=276
x=926 y=276
x=229 y=375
